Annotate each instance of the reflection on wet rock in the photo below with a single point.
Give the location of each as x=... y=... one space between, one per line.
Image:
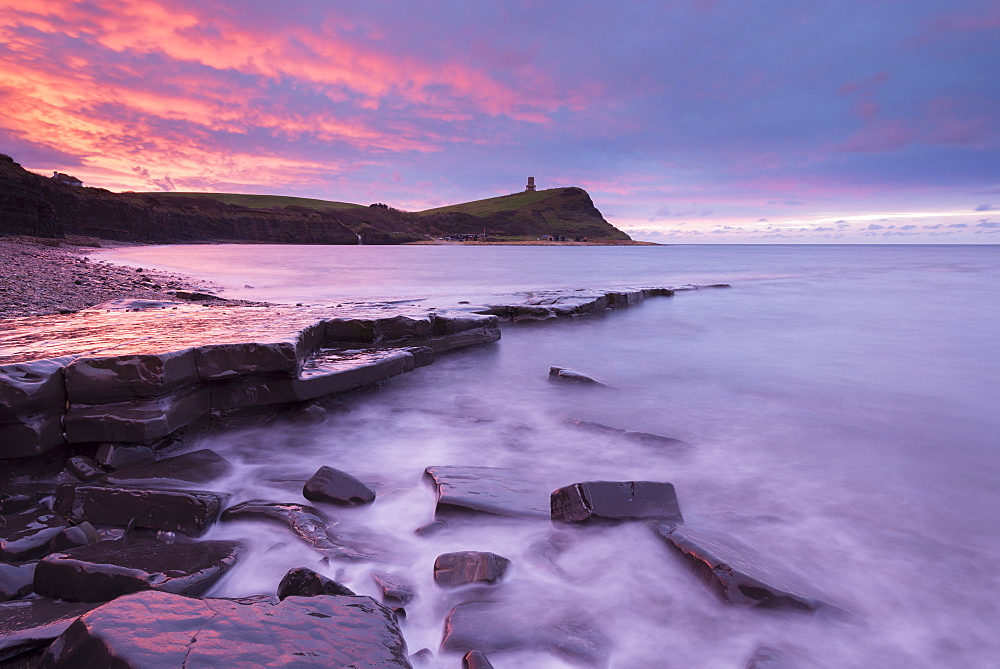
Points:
x=504 y=492
x=200 y=467
x=464 y=567
x=304 y=582
x=108 y=569
x=159 y=629
x=737 y=572
x=395 y=589
x=612 y=501
x=84 y=469
x=187 y=511
x=337 y=487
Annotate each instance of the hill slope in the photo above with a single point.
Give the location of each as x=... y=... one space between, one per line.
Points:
x=34 y=205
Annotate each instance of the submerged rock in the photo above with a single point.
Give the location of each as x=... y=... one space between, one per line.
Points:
x=491 y=627
x=108 y=569
x=503 y=492
x=27 y=533
x=187 y=511
x=641 y=437
x=612 y=501
x=303 y=582
x=307 y=522
x=159 y=629
x=27 y=624
x=452 y=569
x=337 y=487
x=566 y=375
x=737 y=572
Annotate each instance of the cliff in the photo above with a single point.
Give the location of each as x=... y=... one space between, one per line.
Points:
x=37 y=206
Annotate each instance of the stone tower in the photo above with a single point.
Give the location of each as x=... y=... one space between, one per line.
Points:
x=531 y=184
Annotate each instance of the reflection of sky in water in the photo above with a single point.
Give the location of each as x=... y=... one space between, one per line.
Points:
x=842 y=414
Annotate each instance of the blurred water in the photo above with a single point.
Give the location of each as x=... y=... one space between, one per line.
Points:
x=842 y=403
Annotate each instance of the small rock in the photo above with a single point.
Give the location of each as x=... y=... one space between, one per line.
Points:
x=114 y=456
x=504 y=492
x=303 y=582
x=566 y=375
x=395 y=589
x=476 y=659
x=332 y=485
x=453 y=569
x=78 y=535
x=85 y=469
x=15 y=580
x=27 y=534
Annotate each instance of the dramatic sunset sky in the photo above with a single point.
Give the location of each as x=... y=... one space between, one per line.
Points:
x=686 y=120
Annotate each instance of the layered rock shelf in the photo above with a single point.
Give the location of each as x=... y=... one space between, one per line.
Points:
x=135 y=372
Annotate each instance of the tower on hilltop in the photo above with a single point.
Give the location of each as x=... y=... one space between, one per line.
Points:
x=531 y=185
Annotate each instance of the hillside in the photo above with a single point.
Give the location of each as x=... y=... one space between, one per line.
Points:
x=33 y=205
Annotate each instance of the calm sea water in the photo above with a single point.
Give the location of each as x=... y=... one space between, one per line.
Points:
x=842 y=402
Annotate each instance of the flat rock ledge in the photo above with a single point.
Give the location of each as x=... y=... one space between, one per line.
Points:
x=135 y=372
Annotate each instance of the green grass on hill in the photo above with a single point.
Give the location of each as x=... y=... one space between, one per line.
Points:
x=494 y=204
x=266 y=201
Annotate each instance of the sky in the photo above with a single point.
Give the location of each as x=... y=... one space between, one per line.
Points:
x=687 y=121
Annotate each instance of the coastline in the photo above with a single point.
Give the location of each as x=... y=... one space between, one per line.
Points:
x=41 y=277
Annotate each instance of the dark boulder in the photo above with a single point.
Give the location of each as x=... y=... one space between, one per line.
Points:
x=117 y=456
x=159 y=629
x=452 y=569
x=504 y=492
x=303 y=582
x=737 y=572
x=337 y=487
x=198 y=467
x=187 y=511
x=476 y=659
x=492 y=627
x=571 y=376
x=27 y=624
x=108 y=569
x=612 y=501
x=27 y=534
x=308 y=523
x=15 y=580
x=396 y=590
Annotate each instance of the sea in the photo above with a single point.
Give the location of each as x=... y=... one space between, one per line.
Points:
x=842 y=406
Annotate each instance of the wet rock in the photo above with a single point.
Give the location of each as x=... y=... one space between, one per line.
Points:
x=98 y=380
x=431 y=528
x=15 y=580
x=504 y=492
x=337 y=487
x=27 y=534
x=108 y=569
x=306 y=522
x=452 y=569
x=136 y=421
x=159 y=629
x=78 y=535
x=422 y=355
x=737 y=572
x=32 y=395
x=491 y=627
x=641 y=437
x=612 y=501
x=571 y=376
x=187 y=511
x=422 y=659
x=18 y=496
x=395 y=589
x=303 y=582
x=193 y=295
x=84 y=469
x=476 y=659
x=197 y=467
x=27 y=624
x=117 y=456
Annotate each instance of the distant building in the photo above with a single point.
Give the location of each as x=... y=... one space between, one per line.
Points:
x=531 y=185
x=66 y=179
